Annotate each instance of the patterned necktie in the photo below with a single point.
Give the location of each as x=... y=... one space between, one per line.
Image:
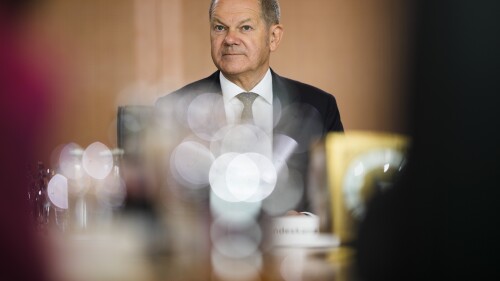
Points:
x=247 y=98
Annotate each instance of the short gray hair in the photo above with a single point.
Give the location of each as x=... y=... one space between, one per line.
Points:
x=270 y=11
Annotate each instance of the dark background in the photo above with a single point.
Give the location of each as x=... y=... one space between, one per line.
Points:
x=440 y=222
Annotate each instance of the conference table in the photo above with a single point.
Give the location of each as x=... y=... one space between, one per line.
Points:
x=122 y=253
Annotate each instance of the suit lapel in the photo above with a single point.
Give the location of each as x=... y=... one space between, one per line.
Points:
x=282 y=91
x=284 y=94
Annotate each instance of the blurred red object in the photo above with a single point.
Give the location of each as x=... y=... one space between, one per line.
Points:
x=25 y=93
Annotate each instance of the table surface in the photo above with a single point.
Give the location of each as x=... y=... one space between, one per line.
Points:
x=119 y=256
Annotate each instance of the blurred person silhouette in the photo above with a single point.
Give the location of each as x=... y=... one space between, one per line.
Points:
x=25 y=96
x=437 y=223
x=288 y=113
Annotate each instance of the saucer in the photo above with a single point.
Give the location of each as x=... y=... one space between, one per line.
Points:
x=318 y=241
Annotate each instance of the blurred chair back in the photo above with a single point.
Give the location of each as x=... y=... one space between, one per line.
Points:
x=133 y=122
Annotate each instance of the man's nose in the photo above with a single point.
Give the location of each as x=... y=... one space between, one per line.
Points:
x=231 y=37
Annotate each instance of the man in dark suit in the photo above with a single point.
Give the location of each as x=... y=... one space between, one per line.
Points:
x=286 y=116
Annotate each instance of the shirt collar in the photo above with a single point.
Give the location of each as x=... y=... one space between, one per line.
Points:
x=264 y=88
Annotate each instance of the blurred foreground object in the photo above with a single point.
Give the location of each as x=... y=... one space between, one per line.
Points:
x=439 y=221
x=25 y=92
x=347 y=171
x=360 y=164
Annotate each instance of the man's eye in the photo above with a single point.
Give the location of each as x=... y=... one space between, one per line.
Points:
x=219 y=28
x=246 y=28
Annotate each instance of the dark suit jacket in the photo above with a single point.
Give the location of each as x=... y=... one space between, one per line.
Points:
x=302 y=112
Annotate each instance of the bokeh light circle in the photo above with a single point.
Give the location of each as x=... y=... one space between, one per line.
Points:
x=233 y=211
x=283 y=148
x=237 y=239
x=217 y=177
x=57 y=190
x=190 y=163
x=287 y=194
x=242 y=177
x=97 y=160
x=228 y=268
x=203 y=120
x=246 y=138
x=267 y=177
x=70 y=161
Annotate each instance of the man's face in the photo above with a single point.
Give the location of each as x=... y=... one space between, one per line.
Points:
x=240 y=38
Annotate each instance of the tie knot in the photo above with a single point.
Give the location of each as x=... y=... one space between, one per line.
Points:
x=247 y=98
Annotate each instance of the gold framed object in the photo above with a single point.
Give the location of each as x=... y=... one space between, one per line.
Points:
x=360 y=164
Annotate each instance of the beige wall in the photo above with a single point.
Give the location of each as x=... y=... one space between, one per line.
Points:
x=118 y=52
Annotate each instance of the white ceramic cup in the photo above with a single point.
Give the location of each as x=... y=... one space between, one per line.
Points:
x=290 y=230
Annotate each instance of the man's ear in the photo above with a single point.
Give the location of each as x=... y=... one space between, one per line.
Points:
x=275 y=35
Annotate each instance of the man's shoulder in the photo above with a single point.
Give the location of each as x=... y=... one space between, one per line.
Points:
x=208 y=84
x=294 y=91
x=302 y=85
x=301 y=89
